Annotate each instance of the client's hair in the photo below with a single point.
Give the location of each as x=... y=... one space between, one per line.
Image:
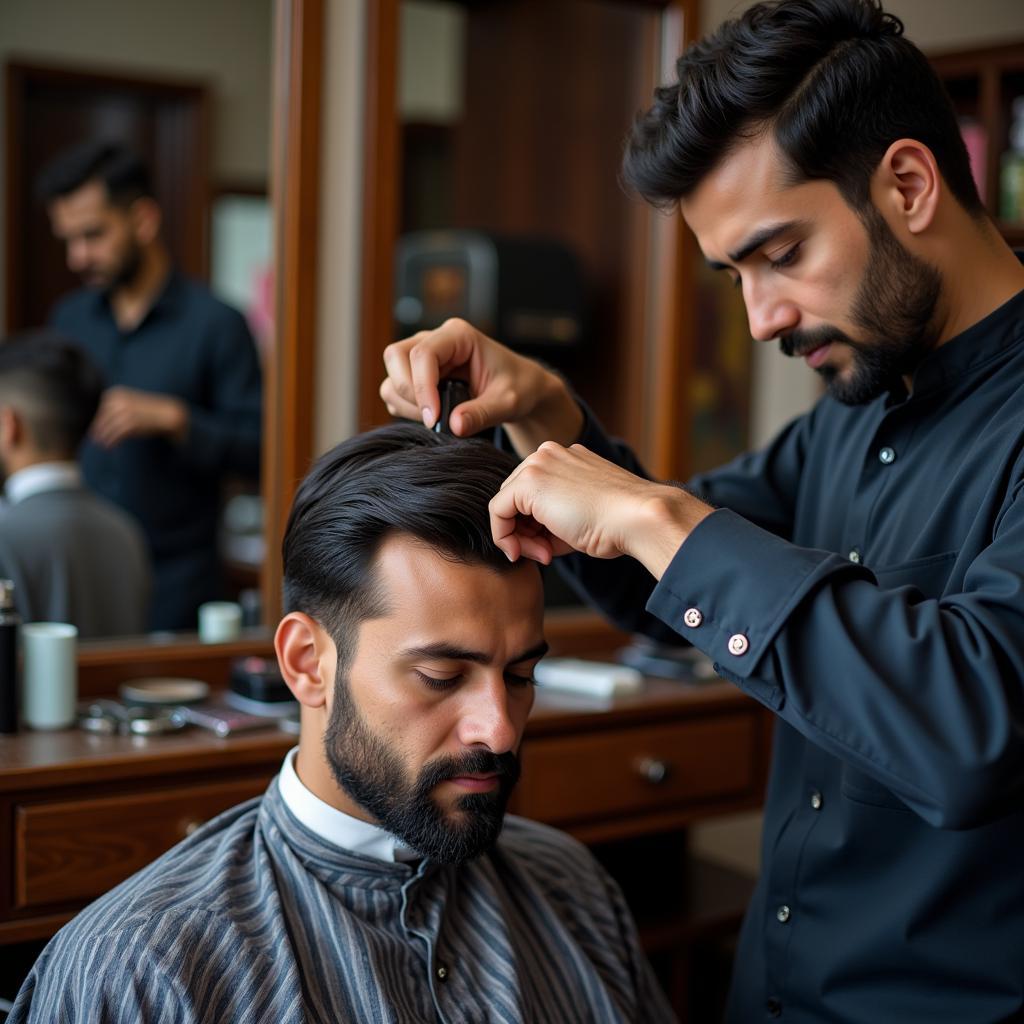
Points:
x=53 y=385
x=120 y=170
x=399 y=479
x=834 y=82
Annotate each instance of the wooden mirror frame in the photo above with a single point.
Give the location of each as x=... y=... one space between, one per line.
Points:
x=288 y=384
x=665 y=266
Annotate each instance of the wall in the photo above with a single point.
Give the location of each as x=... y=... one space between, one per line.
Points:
x=338 y=281
x=225 y=42
x=783 y=387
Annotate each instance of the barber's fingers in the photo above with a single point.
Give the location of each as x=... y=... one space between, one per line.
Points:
x=540 y=510
x=416 y=364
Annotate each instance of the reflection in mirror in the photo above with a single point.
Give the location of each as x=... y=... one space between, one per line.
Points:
x=165 y=284
x=513 y=116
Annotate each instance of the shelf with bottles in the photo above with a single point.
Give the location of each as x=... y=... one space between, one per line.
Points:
x=987 y=89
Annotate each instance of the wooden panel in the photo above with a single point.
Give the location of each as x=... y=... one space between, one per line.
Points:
x=78 y=850
x=51 y=108
x=591 y=776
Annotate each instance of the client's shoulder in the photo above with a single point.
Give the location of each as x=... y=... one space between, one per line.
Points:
x=191 y=880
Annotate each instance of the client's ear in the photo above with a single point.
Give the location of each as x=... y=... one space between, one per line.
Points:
x=307 y=658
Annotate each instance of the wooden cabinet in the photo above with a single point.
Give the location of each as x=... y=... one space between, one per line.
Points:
x=983 y=84
x=79 y=813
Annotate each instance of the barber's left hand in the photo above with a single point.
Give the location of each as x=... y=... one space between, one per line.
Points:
x=127 y=412
x=569 y=499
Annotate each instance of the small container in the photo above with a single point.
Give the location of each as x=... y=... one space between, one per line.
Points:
x=219 y=622
x=9 y=622
x=49 y=690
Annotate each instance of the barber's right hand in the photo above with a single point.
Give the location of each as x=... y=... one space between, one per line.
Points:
x=508 y=389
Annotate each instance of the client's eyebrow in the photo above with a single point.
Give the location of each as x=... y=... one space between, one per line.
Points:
x=759 y=238
x=449 y=652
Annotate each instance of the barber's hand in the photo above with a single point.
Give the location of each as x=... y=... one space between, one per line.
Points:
x=569 y=499
x=533 y=403
x=127 y=412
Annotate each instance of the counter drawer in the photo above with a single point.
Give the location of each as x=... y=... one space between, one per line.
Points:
x=74 y=851
x=630 y=771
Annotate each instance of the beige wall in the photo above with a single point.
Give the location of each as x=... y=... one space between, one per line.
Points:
x=340 y=224
x=225 y=42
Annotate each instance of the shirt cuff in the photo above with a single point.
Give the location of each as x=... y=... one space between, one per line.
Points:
x=731 y=586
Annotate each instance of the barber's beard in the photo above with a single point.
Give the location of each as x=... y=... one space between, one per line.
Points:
x=125 y=273
x=895 y=308
x=373 y=776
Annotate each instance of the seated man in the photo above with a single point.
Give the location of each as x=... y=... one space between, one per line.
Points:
x=73 y=556
x=378 y=878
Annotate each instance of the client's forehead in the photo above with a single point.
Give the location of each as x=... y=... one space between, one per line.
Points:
x=429 y=597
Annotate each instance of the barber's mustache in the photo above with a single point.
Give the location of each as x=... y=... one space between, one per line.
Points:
x=798 y=343
x=505 y=767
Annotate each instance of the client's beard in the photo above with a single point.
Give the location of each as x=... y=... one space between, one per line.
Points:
x=373 y=776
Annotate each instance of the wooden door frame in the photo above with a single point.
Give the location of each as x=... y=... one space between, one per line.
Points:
x=668 y=270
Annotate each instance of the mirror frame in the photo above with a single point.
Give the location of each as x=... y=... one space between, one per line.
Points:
x=297 y=82
x=665 y=272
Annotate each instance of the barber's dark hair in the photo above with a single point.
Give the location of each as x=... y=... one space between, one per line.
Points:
x=54 y=385
x=118 y=168
x=834 y=81
x=399 y=479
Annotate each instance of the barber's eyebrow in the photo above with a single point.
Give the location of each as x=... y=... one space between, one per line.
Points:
x=449 y=652
x=759 y=238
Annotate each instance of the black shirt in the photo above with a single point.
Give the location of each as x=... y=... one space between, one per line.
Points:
x=864 y=579
x=192 y=346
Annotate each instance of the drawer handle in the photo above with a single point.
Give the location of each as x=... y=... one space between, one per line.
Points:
x=188 y=827
x=654 y=770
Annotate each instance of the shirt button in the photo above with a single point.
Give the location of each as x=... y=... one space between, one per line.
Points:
x=782 y=913
x=774 y=1007
x=738 y=644
x=816 y=800
x=693 y=617
x=442 y=973
x=887 y=456
x=855 y=556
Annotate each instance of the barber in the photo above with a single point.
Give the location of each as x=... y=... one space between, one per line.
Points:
x=863 y=575
x=182 y=408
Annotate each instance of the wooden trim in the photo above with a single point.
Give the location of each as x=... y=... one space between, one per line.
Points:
x=104 y=665
x=295 y=195
x=673 y=311
x=381 y=197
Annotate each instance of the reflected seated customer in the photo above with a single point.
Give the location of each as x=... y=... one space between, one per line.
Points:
x=378 y=879
x=73 y=556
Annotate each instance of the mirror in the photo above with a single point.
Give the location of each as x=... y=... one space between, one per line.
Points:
x=155 y=76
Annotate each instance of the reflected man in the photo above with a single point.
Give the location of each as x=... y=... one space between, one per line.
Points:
x=183 y=406
x=73 y=556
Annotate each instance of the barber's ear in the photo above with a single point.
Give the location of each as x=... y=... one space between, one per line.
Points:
x=12 y=429
x=146 y=218
x=908 y=184
x=307 y=658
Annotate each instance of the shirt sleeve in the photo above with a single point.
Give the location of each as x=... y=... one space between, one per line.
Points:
x=224 y=432
x=761 y=486
x=921 y=694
